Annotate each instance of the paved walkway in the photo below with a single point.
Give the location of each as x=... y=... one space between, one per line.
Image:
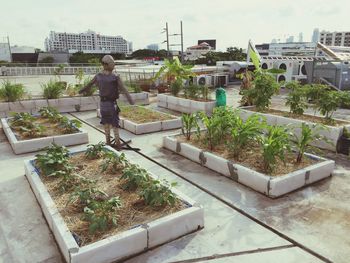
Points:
x=240 y=224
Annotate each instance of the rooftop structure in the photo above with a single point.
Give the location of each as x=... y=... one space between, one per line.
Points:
x=87 y=42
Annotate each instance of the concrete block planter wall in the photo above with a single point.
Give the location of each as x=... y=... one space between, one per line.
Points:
x=122 y=245
x=272 y=186
x=184 y=105
x=33 y=145
x=331 y=133
x=141 y=98
x=142 y=128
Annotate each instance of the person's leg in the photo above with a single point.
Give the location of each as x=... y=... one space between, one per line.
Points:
x=108 y=133
x=116 y=136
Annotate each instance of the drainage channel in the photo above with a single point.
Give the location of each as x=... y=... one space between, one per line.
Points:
x=239 y=210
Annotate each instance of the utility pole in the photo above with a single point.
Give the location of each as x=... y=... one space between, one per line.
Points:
x=167 y=39
x=8 y=42
x=182 y=43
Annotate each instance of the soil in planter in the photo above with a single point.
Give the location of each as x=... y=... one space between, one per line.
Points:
x=51 y=129
x=133 y=211
x=310 y=118
x=251 y=157
x=143 y=115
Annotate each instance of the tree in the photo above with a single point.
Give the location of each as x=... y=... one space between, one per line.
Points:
x=48 y=59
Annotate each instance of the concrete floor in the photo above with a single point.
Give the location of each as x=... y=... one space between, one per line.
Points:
x=240 y=224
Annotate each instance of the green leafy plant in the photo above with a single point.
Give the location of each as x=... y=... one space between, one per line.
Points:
x=245 y=132
x=173 y=71
x=308 y=135
x=50 y=113
x=69 y=126
x=21 y=119
x=213 y=133
x=58 y=71
x=205 y=92
x=176 y=87
x=133 y=177
x=11 y=92
x=86 y=193
x=275 y=145
x=157 y=194
x=189 y=122
x=265 y=86
x=32 y=130
x=113 y=161
x=53 y=160
x=52 y=90
x=101 y=214
x=296 y=98
x=328 y=103
x=192 y=91
x=79 y=76
x=95 y=151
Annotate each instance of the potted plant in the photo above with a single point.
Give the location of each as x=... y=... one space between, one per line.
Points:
x=344 y=142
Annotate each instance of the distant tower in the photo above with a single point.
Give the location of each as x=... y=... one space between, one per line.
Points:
x=300 y=37
x=273 y=41
x=290 y=39
x=315 y=35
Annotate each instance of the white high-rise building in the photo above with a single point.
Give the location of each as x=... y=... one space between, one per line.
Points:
x=315 y=35
x=87 y=42
x=335 y=38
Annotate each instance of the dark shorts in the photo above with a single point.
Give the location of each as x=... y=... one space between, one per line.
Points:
x=109 y=113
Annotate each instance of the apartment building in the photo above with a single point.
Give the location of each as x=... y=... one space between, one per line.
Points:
x=335 y=38
x=87 y=42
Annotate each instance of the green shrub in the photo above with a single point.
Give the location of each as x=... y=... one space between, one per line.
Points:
x=275 y=145
x=176 y=87
x=296 y=98
x=329 y=102
x=11 y=92
x=52 y=160
x=189 y=122
x=245 y=132
x=95 y=151
x=213 y=133
x=192 y=91
x=52 y=90
x=158 y=194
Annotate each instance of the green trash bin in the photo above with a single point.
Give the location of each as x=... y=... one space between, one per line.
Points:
x=220 y=95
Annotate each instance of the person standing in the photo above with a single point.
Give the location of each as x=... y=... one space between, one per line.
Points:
x=110 y=86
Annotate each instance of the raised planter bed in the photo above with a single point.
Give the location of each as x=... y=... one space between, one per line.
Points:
x=136 y=239
x=184 y=105
x=65 y=104
x=36 y=144
x=272 y=186
x=170 y=122
x=332 y=133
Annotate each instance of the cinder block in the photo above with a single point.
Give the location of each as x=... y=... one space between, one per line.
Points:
x=162 y=104
x=170 y=143
x=31 y=145
x=64 y=238
x=190 y=152
x=171 y=124
x=4 y=107
x=197 y=106
x=130 y=126
x=69 y=104
x=40 y=103
x=114 y=248
x=173 y=100
x=216 y=163
x=175 y=225
x=148 y=127
x=253 y=179
x=71 y=139
x=320 y=171
x=162 y=98
x=185 y=103
x=21 y=106
x=287 y=183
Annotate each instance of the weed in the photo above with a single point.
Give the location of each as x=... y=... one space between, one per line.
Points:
x=11 y=92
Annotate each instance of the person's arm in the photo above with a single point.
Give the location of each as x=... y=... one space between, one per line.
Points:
x=124 y=91
x=88 y=86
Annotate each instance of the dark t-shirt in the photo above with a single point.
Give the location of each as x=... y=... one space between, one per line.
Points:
x=108 y=85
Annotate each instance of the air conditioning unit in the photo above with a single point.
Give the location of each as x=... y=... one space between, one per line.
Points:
x=220 y=80
x=205 y=80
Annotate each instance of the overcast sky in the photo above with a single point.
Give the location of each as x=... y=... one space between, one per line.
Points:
x=231 y=22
